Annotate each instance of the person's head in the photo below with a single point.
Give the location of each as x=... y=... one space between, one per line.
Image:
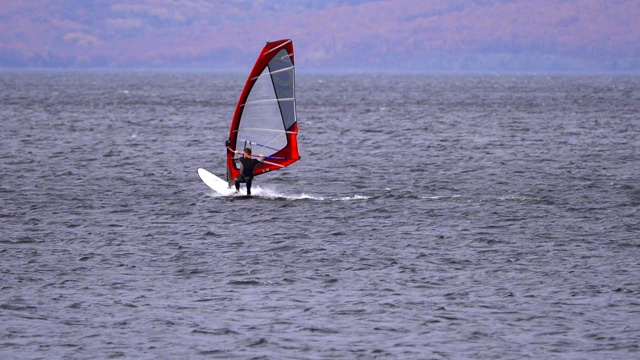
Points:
x=247 y=152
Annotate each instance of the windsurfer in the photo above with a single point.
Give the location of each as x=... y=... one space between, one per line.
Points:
x=248 y=165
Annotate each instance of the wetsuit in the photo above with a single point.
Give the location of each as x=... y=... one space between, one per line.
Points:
x=247 y=172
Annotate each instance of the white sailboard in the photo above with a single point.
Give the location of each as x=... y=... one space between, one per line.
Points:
x=218 y=185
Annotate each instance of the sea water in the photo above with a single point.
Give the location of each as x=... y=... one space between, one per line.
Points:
x=430 y=217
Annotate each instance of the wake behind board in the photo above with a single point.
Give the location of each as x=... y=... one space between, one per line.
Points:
x=218 y=185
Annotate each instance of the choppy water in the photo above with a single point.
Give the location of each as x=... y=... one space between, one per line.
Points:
x=431 y=217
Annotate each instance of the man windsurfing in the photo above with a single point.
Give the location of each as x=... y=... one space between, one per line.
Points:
x=248 y=165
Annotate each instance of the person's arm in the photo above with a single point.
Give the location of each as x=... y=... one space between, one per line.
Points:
x=228 y=146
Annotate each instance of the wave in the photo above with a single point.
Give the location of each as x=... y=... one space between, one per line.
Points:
x=275 y=194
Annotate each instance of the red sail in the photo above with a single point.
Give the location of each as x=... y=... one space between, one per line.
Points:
x=265 y=117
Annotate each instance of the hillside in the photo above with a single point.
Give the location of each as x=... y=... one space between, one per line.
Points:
x=438 y=35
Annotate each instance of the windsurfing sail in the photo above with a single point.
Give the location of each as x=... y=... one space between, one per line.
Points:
x=265 y=117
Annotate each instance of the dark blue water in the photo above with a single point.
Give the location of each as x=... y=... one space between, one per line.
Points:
x=431 y=217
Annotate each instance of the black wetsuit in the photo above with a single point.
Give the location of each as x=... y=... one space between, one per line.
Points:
x=247 y=172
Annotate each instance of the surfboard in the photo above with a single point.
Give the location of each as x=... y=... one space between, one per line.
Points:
x=218 y=185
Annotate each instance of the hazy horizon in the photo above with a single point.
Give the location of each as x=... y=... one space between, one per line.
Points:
x=333 y=36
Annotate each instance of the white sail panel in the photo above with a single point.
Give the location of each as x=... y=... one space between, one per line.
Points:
x=270 y=106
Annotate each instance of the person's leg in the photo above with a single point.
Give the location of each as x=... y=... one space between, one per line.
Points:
x=239 y=179
x=249 y=187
